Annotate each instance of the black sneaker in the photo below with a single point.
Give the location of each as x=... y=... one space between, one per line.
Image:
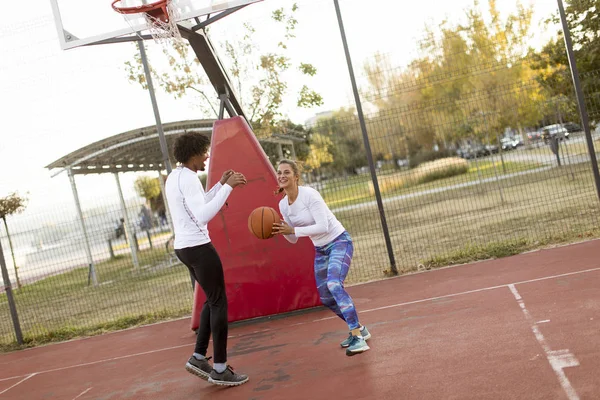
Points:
x=200 y=368
x=227 y=378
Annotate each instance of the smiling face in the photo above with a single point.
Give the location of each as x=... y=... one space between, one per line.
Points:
x=199 y=161
x=286 y=176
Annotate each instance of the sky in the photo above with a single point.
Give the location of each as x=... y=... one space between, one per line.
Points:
x=56 y=101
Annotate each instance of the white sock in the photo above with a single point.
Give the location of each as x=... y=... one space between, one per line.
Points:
x=199 y=356
x=220 y=367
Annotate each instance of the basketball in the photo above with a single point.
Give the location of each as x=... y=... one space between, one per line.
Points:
x=261 y=220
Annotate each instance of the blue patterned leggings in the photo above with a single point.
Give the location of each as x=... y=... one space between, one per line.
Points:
x=332 y=263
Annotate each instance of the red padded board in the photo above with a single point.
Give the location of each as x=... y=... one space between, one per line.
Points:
x=262 y=277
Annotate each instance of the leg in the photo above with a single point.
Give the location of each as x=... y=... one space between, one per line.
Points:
x=321 y=262
x=203 y=334
x=337 y=269
x=208 y=271
x=203 y=330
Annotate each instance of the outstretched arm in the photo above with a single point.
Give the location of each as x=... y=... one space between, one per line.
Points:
x=199 y=207
x=215 y=189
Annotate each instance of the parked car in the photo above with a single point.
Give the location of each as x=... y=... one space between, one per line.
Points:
x=572 y=127
x=508 y=143
x=534 y=135
x=555 y=130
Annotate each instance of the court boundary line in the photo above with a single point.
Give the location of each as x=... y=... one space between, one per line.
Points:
x=507 y=285
x=18 y=383
x=558 y=359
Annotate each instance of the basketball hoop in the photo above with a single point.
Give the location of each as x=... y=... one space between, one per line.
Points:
x=161 y=18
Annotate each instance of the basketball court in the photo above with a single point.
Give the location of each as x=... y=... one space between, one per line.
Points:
x=524 y=327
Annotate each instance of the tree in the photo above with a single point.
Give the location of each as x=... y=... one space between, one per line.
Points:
x=258 y=78
x=553 y=64
x=471 y=81
x=346 y=148
x=10 y=205
x=149 y=189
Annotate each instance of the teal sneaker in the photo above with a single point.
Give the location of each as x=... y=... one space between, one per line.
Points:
x=357 y=345
x=364 y=332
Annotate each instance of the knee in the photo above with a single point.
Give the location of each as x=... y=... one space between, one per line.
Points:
x=217 y=300
x=326 y=297
x=334 y=286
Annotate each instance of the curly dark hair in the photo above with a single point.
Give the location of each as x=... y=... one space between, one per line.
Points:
x=189 y=145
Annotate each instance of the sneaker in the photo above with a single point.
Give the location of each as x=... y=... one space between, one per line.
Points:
x=364 y=332
x=200 y=368
x=227 y=378
x=357 y=345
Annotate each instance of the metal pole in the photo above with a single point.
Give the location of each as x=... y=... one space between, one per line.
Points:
x=11 y=301
x=164 y=197
x=580 y=98
x=88 y=251
x=161 y=134
x=363 y=128
x=130 y=238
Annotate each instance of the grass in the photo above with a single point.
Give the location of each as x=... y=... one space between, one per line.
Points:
x=490 y=220
x=427 y=172
x=355 y=190
x=66 y=304
x=474 y=223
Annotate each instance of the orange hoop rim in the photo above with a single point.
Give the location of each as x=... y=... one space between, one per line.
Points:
x=142 y=8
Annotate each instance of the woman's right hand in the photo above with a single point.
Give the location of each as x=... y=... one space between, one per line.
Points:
x=236 y=179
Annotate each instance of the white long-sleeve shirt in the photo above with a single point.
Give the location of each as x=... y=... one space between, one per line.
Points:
x=310 y=216
x=191 y=207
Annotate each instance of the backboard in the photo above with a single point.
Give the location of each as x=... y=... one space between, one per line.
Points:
x=84 y=22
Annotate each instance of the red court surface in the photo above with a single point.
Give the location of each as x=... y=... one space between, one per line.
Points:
x=524 y=327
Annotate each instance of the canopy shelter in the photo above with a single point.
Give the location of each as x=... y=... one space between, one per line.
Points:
x=137 y=150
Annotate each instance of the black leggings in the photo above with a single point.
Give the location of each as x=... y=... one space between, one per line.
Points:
x=205 y=266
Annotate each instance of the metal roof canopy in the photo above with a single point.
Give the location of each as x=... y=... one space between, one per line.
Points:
x=139 y=149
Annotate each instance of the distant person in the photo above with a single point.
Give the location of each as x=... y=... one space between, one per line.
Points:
x=305 y=214
x=120 y=228
x=191 y=209
x=145 y=218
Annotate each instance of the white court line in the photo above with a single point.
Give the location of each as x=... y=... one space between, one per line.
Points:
x=82 y=393
x=558 y=359
x=317 y=320
x=18 y=383
x=463 y=293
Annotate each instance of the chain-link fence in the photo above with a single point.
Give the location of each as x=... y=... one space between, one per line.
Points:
x=478 y=149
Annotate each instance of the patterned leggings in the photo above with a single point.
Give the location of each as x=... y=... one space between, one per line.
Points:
x=332 y=263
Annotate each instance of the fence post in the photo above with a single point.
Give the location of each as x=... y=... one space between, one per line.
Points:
x=579 y=93
x=11 y=301
x=363 y=128
x=110 y=249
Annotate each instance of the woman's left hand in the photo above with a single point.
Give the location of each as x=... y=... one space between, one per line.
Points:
x=282 y=228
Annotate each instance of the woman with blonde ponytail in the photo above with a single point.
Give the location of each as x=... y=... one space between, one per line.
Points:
x=305 y=214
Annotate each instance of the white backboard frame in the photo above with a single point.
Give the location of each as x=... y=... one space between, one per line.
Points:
x=188 y=9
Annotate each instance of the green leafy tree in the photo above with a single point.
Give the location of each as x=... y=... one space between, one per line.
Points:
x=471 y=81
x=258 y=77
x=346 y=149
x=553 y=64
x=10 y=205
x=149 y=189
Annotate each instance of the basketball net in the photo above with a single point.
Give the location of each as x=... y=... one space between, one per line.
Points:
x=165 y=33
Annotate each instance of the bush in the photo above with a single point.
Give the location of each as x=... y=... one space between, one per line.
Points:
x=427 y=172
x=440 y=169
x=429 y=155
